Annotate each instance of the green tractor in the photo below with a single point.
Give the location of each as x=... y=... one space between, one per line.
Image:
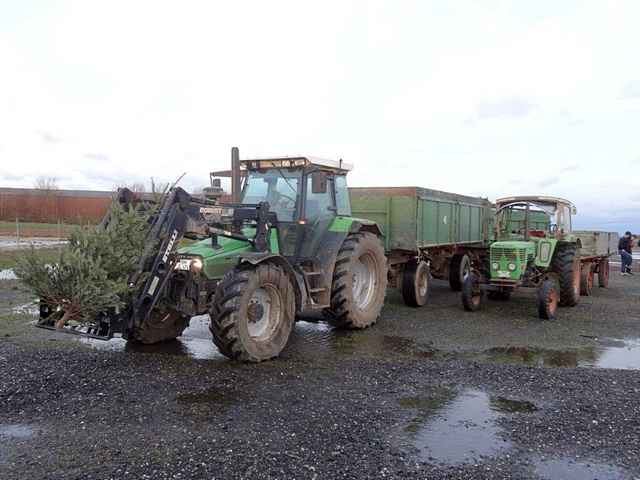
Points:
x=286 y=247
x=534 y=247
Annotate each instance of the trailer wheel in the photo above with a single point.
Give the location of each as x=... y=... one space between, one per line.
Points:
x=566 y=264
x=586 y=280
x=415 y=283
x=548 y=298
x=501 y=295
x=160 y=326
x=472 y=293
x=603 y=273
x=253 y=312
x=459 y=269
x=359 y=282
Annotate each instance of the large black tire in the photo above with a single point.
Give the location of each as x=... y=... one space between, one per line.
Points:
x=566 y=264
x=603 y=273
x=459 y=269
x=161 y=325
x=586 y=280
x=359 y=282
x=253 y=312
x=472 y=293
x=415 y=283
x=547 y=299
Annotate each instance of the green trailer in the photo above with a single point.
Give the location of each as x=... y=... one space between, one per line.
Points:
x=426 y=233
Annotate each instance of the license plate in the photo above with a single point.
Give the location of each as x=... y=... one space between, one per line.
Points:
x=183 y=264
x=502 y=274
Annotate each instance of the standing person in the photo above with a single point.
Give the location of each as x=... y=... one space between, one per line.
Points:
x=624 y=248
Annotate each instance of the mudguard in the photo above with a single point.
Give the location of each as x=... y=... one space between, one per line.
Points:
x=256 y=258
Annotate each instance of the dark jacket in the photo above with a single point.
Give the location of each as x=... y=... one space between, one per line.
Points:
x=625 y=244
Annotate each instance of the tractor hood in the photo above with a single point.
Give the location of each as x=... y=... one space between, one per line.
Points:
x=217 y=261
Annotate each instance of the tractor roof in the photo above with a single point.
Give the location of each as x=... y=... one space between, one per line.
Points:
x=296 y=161
x=540 y=199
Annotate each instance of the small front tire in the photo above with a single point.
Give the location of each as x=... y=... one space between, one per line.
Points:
x=548 y=299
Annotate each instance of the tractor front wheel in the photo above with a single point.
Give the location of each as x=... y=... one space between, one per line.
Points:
x=566 y=264
x=253 y=312
x=415 y=283
x=359 y=282
x=471 y=293
x=160 y=326
x=548 y=298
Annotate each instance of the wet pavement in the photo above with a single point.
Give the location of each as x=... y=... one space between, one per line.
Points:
x=426 y=393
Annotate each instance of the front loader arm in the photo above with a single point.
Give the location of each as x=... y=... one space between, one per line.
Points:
x=183 y=216
x=179 y=216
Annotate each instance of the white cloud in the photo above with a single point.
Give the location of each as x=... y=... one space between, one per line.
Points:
x=487 y=98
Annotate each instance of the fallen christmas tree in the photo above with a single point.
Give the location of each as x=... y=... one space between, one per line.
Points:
x=90 y=275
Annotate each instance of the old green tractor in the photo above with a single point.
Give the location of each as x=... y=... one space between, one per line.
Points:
x=286 y=247
x=534 y=247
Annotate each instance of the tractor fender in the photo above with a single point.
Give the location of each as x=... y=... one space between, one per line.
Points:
x=347 y=225
x=258 y=258
x=362 y=225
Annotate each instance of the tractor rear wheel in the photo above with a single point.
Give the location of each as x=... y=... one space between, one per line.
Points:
x=566 y=264
x=253 y=312
x=415 y=283
x=459 y=269
x=359 y=282
x=472 y=293
x=586 y=280
x=548 y=298
x=160 y=326
x=603 y=273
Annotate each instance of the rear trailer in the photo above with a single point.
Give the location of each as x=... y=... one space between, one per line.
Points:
x=426 y=233
x=595 y=249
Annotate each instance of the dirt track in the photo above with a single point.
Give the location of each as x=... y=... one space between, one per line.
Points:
x=429 y=393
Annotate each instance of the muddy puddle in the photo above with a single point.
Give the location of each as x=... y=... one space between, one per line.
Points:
x=454 y=428
x=195 y=342
x=604 y=353
x=307 y=340
x=569 y=469
x=16 y=431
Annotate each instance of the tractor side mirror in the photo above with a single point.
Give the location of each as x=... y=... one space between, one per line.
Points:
x=319 y=182
x=574 y=211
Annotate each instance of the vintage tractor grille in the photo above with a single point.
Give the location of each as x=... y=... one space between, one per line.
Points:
x=511 y=254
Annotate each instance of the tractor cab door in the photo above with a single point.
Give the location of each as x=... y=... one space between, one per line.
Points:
x=318 y=212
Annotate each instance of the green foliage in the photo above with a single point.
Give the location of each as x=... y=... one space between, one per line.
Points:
x=90 y=274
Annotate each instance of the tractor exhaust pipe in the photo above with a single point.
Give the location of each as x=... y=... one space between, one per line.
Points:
x=235 y=175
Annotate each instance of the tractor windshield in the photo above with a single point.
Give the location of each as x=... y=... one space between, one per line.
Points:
x=278 y=187
x=541 y=218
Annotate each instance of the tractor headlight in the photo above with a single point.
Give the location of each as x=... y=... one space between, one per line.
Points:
x=196 y=265
x=191 y=264
x=512 y=267
x=495 y=265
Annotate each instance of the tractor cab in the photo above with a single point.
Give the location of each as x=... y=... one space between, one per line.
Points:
x=527 y=229
x=305 y=193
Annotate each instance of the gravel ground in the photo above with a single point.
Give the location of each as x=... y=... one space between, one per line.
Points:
x=374 y=404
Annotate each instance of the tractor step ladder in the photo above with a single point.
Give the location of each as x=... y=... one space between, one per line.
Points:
x=311 y=279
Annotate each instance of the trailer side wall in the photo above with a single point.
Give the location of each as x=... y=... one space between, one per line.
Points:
x=416 y=218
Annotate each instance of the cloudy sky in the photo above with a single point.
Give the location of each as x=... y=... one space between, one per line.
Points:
x=484 y=98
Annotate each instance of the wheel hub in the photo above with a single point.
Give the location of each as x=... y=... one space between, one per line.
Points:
x=255 y=311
